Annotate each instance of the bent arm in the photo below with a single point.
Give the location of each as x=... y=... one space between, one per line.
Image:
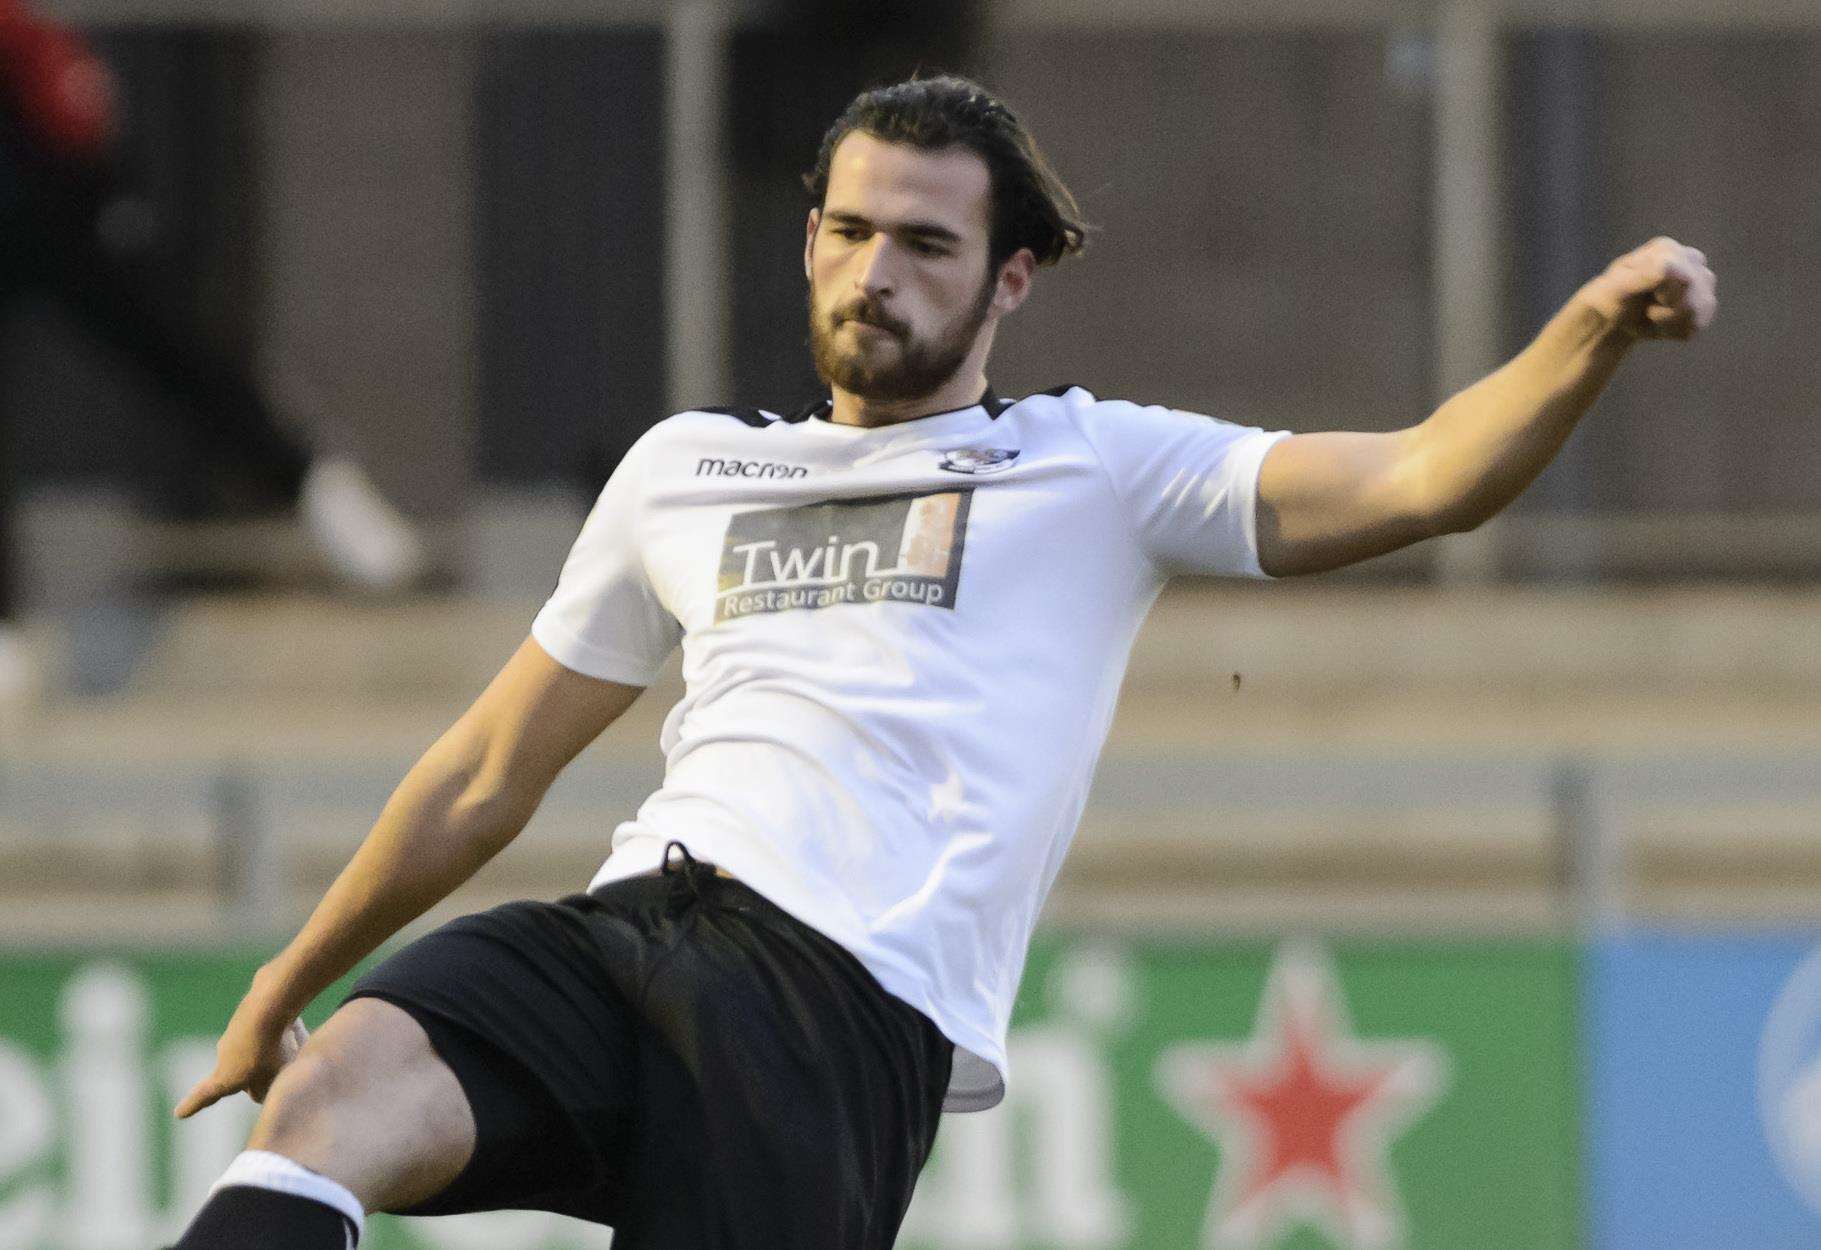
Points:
x=1329 y=500
x=1333 y=499
x=470 y=795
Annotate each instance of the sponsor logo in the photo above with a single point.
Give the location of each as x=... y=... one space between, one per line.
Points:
x=1304 y=1113
x=978 y=459
x=716 y=466
x=1789 y=1080
x=898 y=549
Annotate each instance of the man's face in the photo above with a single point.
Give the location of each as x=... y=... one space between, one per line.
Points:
x=899 y=284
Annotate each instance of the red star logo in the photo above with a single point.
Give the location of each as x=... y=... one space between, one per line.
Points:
x=1304 y=1113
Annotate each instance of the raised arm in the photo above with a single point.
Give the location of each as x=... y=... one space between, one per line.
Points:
x=470 y=795
x=1329 y=500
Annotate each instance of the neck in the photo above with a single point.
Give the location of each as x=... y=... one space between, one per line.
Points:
x=961 y=391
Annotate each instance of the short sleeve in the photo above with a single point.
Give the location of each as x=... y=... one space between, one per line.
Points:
x=604 y=619
x=1188 y=484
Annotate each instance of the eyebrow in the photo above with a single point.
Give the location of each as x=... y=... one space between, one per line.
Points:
x=921 y=229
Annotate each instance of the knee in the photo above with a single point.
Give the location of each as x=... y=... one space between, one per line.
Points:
x=305 y=1099
x=368 y=1103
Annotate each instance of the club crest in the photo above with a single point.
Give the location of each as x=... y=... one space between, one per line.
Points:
x=978 y=459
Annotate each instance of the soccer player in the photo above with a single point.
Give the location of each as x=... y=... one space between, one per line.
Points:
x=904 y=614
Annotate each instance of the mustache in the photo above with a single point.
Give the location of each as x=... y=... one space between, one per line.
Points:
x=869 y=314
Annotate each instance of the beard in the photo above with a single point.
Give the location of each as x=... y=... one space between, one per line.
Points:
x=877 y=371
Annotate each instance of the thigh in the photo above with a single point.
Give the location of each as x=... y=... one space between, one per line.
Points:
x=787 y=1099
x=515 y=1004
x=368 y=1103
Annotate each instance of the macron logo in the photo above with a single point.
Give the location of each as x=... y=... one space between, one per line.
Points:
x=714 y=466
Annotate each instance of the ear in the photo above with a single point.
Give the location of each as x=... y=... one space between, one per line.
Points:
x=809 y=240
x=1015 y=276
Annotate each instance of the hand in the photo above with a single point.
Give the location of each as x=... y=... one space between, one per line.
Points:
x=248 y=1057
x=1662 y=290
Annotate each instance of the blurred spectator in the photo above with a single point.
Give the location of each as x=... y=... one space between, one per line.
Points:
x=71 y=229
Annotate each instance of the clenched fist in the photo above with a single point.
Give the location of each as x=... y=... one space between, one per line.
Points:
x=1662 y=290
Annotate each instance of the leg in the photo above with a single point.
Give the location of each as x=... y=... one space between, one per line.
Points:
x=14 y=281
x=364 y=538
x=9 y=486
x=367 y=1117
x=113 y=296
x=18 y=676
x=370 y=1105
x=788 y=1099
x=481 y=1067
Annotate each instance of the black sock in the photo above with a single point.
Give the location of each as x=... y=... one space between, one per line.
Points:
x=246 y=1217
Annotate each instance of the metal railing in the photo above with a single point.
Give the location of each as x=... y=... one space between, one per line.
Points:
x=242 y=823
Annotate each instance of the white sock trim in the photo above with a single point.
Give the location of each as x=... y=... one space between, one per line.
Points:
x=264 y=1170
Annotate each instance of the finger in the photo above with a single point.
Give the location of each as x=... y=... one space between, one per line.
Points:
x=1704 y=309
x=1676 y=276
x=207 y=1092
x=1670 y=322
x=1647 y=271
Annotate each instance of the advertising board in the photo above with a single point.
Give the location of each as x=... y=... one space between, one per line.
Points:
x=1704 y=1092
x=1215 y=1095
x=1372 y=1094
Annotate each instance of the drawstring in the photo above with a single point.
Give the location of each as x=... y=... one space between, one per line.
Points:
x=686 y=873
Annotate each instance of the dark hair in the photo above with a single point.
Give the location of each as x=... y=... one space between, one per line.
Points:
x=1031 y=206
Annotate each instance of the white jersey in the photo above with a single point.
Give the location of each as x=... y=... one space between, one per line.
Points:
x=902 y=646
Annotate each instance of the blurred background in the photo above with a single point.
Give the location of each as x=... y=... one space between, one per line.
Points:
x=323 y=322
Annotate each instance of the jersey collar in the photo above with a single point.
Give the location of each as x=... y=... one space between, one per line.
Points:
x=991 y=403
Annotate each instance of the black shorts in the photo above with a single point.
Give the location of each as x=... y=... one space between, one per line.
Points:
x=677 y=1057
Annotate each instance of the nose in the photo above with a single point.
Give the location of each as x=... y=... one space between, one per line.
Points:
x=875 y=272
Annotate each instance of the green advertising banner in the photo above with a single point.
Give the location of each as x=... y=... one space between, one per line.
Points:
x=1193 y=1096
x=1250 y=1097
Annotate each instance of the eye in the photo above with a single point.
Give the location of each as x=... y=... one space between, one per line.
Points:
x=923 y=247
x=849 y=232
